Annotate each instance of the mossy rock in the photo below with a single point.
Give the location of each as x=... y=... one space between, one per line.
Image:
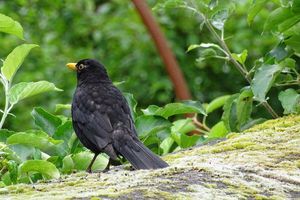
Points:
x=260 y=163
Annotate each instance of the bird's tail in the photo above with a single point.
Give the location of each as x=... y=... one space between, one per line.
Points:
x=140 y=156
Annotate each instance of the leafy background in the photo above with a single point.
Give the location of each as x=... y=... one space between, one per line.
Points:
x=112 y=32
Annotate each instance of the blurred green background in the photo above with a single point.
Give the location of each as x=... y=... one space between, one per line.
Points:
x=112 y=32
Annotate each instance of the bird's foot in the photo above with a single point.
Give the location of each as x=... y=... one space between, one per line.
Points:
x=105 y=170
x=97 y=171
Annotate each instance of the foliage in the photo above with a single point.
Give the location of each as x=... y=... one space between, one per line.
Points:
x=19 y=91
x=112 y=32
x=14 y=94
x=44 y=153
x=276 y=68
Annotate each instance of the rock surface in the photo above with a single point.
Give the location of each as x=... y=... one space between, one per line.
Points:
x=260 y=163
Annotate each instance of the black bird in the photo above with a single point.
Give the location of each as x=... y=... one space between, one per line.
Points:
x=102 y=120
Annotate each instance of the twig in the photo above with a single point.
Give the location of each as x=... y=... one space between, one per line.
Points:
x=241 y=69
x=199 y=124
x=5 y=110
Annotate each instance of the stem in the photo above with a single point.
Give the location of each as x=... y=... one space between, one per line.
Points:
x=240 y=68
x=226 y=49
x=199 y=124
x=203 y=132
x=295 y=71
x=287 y=84
x=219 y=57
x=270 y=109
x=6 y=110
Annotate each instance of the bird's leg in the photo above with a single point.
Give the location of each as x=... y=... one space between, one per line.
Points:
x=108 y=165
x=89 y=168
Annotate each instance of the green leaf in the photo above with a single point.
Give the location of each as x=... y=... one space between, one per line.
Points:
x=8 y=153
x=294 y=43
x=118 y=83
x=23 y=152
x=147 y=125
x=290 y=101
x=150 y=110
x=212 y=4
x=37 y=139
x=6 y=178
x=288 y=23
x=279 y=52
x=75 y=144
x=203 y=45
x=219 y=18
x=263 y=80
x=276 y=17
x=45 y=120
x=255 y=8
x=166 y=145
x=179 y=130
x=192 y=47
x=241 y=58
x=244 y=107
x=59 y=107
x=169 y=4
x=8 y=25
x=132 y=104
x=289 y=63
x=64 y=131
x=197 y=105
x=229 y=116
x=13 y=171
x=183 y=126
x=251 y=123
x=42 y=166
x=216 y=103
x=82 y=160
x=68 y=164
x=152 y=142
x=281 y=20
x=4 y=134
x=185 y=141
x=56 y=160
x=175 y=109
x=218 y=131
x=296 y=6
x=24 y=90
x=208 y=53
x=15 y=59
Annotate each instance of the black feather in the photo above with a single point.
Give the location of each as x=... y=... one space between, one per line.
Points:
x=102 y=120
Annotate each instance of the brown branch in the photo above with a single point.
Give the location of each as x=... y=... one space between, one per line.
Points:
x=181 y=90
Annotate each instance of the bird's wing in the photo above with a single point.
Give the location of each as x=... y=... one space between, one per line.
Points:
x=118 y=109
x=93 y=128
x=96 y=116
x=129 y=121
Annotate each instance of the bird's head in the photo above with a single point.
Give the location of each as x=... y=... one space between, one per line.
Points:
x=89 y=70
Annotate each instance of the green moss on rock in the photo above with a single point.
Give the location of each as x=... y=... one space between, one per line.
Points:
x=260 y=163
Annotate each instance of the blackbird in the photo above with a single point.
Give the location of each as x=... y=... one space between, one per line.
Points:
x=102 y=120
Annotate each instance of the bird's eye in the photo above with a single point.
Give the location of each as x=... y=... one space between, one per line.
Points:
x=81 y=66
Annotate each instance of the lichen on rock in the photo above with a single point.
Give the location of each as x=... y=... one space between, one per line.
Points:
x=260 y=163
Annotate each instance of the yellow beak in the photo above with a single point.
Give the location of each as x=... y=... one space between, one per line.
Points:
x=72 y=66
